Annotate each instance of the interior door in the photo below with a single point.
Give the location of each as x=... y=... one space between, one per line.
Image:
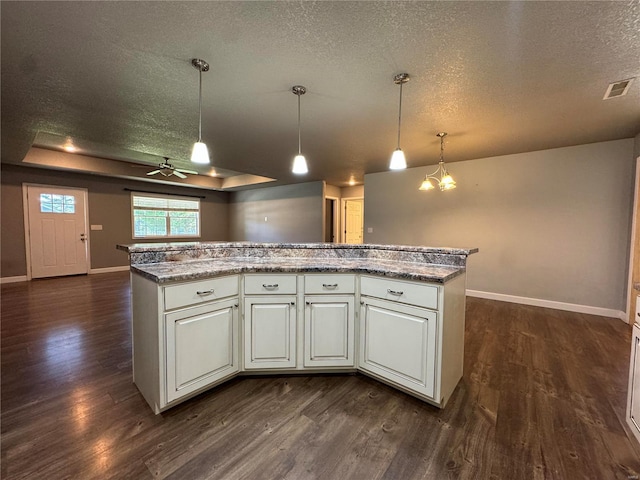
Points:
x=354 y=220
x=57 y=231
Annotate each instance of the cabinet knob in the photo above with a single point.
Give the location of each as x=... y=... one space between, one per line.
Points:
x=293 y=304
x=309 y=303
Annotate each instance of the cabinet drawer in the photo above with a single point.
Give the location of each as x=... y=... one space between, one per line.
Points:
x=314 y=284
x=421 y=295
x=192 y=293
x=265 y=284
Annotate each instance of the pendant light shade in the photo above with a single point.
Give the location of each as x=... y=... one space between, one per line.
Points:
x=200 y=153
x=299 y=162
x=441 y=176
x=398 y=161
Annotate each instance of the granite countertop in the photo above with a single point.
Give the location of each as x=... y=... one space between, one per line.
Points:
x=178 y=246
x=166 y=272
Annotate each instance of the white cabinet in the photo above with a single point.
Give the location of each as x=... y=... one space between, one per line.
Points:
x=412 y=335
x=398 y=343
x=329 y=327
x=270 y=322
x=329 y=320
x=633 y=397
x=201 y=346
x=185 y=337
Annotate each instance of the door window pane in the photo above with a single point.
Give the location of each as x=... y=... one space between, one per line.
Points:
x=53 y=203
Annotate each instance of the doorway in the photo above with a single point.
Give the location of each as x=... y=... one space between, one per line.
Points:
x=331 y=220
x=55 y=230
x=353 y=220
x=634 y=256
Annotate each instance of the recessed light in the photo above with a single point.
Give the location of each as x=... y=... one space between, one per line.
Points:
x=69 y=146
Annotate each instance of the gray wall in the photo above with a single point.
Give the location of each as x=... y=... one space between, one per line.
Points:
x=294 y=213
x=551 y=225
x=109 y=206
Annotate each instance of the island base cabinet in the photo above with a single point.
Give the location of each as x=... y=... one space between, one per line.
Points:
x=201 y=347
x=270 y=332
x=398 y=343
x=329 y=327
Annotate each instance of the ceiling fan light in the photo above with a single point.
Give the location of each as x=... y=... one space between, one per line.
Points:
x=200 y=154
x=426 y=185
x=398 y=162
x=299 y=165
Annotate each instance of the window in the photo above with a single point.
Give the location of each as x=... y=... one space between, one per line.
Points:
x=157 y=216
x=52 y=203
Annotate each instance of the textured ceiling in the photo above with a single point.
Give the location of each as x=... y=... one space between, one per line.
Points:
x=499 y=77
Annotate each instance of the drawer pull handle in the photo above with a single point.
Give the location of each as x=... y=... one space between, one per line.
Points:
x=205 y=292
x=272 y=286
x=330 y=285
x=393 y=292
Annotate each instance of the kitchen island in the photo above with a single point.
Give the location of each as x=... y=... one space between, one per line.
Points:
x=203 y=313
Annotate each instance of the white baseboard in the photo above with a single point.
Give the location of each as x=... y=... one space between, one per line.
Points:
x=122 y=268
x=538 y=302
x=19 y=278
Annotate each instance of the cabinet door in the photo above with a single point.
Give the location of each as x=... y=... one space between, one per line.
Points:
x=201 y=346
x=329 y=331
x=398 y=343
x=633 y=406
x=270 y=332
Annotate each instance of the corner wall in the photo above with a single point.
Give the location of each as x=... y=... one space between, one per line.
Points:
x=287 y=213
x=551 y=225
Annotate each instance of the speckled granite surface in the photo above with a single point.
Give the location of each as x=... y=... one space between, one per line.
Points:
x=179 y=252
x=170 y=262
x=196 y=269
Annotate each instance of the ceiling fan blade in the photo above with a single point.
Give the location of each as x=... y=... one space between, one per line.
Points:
x=153 y=172
x=192 y=172
x=178 y=174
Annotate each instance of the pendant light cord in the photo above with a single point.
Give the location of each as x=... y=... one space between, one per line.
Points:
x=299 y=142
x=400 y=116
x=200 y=106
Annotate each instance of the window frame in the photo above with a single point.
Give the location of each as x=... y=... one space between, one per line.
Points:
x=165 y=196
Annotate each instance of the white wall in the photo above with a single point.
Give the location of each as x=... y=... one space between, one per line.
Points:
x=294 y=213
x=551 y=225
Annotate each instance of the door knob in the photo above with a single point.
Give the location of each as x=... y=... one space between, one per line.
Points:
x=83 y=237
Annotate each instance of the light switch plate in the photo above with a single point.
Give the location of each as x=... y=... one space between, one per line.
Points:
x=96 y=227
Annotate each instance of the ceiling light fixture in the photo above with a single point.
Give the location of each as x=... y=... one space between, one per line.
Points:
x=200 y=154
x=398 y=162
x=445 y=181
x=299 y=162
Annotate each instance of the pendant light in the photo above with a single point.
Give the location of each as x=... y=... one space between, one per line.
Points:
x=441 y=175
x=398 y=162
x=299 y=162
x=200 y=154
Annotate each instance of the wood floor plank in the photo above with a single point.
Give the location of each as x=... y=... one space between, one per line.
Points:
x=543 y=397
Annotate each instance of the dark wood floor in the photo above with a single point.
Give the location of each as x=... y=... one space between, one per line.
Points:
x=543 y=397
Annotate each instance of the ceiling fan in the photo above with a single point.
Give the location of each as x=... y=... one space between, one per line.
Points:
x=166 y=170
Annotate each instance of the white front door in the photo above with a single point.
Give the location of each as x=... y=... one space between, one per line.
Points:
x=57 y=231
x=354 y=221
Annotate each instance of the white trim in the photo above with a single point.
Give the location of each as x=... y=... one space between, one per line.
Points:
x=121 y=268
x=19 y=278
x=630 y=291
x=25 y=213
x=539 y=302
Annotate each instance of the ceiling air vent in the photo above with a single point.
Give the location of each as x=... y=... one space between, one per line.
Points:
x=618 y=89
